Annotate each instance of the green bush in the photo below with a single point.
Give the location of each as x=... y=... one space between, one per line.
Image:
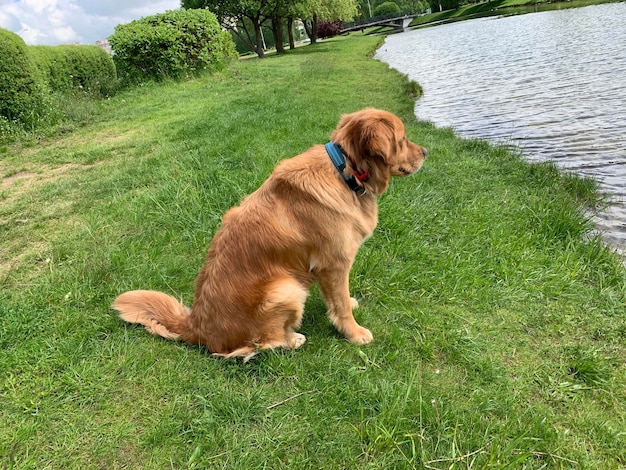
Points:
x=386 y=8
x=23 y=100
x=65 y=68
x=175 y=44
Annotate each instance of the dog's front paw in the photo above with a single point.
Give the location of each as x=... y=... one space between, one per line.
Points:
x=354 y=303
x=361 y=336
x=297 y=340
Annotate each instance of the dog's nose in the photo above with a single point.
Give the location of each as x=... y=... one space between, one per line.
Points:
x=424 y=151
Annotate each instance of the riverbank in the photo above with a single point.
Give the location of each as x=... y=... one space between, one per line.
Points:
x=499 y=7
x=542 y=120
x=499 y=326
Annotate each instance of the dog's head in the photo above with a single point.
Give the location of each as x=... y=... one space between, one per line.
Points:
x=375 y=142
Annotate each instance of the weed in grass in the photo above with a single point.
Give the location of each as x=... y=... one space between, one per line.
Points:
x=588 y=366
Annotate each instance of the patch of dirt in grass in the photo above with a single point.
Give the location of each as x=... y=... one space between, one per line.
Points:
x=24 y=180
x=75 y=141
x=25 y=252
x=23 y=242
x=13 y=179
x=79 y=148
x=26 y=237
x=31 y=250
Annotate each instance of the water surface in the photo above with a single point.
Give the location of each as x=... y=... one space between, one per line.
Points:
x=550 y=83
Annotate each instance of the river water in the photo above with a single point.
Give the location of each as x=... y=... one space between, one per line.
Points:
x=551 y=83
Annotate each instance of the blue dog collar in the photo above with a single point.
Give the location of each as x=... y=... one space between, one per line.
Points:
x=336 y=154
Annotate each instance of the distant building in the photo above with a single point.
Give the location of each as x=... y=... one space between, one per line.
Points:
x=104 y=44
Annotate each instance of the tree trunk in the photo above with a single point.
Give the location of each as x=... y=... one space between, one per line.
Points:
x=247 y=37
x=277 y=31
x=258 y=47
x=292 y=44
x=310 y=27
x=314 y=29
x=307 y=28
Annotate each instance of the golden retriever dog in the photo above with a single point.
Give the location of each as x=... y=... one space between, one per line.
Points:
x=303 y=225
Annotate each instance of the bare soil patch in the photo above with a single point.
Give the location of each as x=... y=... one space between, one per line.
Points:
x=25 y=179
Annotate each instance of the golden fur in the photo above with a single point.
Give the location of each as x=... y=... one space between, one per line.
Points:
x=303 y=225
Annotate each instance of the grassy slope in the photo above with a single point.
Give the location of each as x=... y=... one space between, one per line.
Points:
x=499 y=333
x=501 y=7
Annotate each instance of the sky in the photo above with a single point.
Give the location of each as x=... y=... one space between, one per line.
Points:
x=53 y=22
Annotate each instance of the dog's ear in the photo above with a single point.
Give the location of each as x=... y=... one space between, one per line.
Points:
x=367 y=134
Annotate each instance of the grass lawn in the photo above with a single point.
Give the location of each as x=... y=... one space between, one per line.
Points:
x=499 y=324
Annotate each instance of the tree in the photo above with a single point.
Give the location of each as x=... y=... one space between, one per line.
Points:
x=278 y=11
x=237 y=16
x=313 y=11
x=440 y=5
x=386 y=8
x=450 y=4
x=367 y=7
x=293 y=9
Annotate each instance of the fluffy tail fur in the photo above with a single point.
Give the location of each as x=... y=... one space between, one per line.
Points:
x=160 y=313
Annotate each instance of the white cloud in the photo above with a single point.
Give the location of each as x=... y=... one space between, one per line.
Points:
x=67 y=21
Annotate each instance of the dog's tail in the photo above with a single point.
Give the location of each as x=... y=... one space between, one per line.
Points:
x=160 y=313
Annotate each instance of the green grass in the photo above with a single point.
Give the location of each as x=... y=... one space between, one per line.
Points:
x=499 y=323
x=500 y=7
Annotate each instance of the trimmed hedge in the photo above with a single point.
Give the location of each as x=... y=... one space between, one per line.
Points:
x=86 y=68
x=175 y=44
x=22 y=97
x=29 y=75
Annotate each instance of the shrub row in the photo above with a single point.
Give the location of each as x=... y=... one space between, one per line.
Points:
x=86 y=68
x=30 y=75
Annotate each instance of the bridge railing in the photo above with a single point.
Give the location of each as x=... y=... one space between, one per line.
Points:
x=376 y=19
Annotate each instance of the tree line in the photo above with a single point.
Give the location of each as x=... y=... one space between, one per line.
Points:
x=246 y=19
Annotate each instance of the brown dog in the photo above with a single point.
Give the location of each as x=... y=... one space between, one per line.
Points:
x=304 y=224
